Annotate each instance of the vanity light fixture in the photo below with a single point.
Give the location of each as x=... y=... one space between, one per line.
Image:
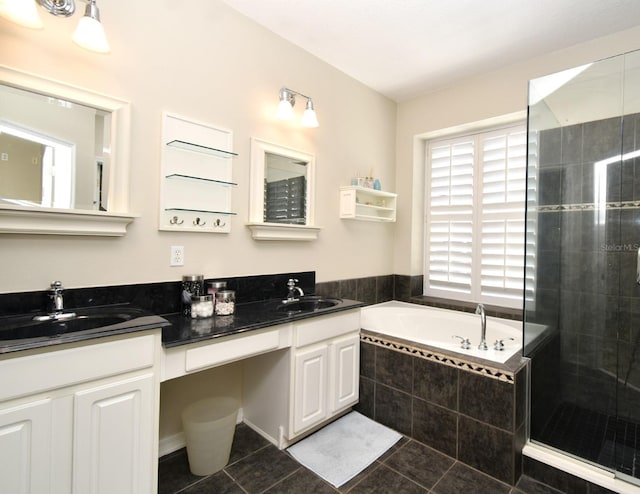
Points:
x=89 y=34
x=21 y=12
x=285 y=108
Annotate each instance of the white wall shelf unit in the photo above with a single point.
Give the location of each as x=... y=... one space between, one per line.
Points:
x=197 y=177
x=360 y=203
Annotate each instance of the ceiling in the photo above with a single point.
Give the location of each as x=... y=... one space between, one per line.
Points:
x=405 y=48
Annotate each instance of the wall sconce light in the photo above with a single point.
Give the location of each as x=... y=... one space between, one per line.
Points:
x=285 y=108
x=89 y=34
x=21 y=12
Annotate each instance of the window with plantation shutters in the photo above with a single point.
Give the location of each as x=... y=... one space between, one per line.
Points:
x=475 y=201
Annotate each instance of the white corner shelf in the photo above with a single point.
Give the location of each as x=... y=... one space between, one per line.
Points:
x=196 y=182
x=364 y=204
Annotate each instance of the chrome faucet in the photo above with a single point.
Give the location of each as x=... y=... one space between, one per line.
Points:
x=483 y=323
x=56 y=303
x=293 y=290
x=55 y=307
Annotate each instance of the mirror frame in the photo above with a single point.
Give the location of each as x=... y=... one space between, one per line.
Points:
x=41 y=220
x=278 y=231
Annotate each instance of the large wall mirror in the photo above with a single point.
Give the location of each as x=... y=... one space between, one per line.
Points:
x=64 y=158
x=282 y=193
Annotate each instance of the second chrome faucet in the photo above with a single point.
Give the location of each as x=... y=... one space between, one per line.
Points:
x=55 y=309
x=294 y=291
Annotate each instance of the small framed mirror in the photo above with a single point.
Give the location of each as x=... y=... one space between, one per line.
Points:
x=64 y=158
x=281 y=193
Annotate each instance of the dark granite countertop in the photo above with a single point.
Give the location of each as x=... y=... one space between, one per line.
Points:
x=176 y=329
x=247 y=317
x=22 y=332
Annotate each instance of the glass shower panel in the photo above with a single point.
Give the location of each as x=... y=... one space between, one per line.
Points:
x=575 y=225
x=627 y=434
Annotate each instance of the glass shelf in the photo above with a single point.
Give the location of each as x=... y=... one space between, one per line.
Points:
x=227 y=213
x=189 y=146
x=190 y=177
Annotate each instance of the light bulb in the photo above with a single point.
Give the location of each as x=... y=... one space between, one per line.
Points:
x=309 y=118
x=285 y=110
x=22 y=12
x=90 y=35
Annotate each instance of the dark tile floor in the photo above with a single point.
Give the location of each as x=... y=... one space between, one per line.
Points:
x=256 y=466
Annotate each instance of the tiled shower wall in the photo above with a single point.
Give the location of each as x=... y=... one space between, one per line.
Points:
x=587 y=240
x=476 y=419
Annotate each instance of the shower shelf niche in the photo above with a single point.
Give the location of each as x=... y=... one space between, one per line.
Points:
x=196 y=182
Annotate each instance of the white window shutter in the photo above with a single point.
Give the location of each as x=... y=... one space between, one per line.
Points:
x=475 y=218
x=450 y=229
x=504 y=180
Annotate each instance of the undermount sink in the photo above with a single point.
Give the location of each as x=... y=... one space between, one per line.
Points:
x=309 y=303
x=71 y=321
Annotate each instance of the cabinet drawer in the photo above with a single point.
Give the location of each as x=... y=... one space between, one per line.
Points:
x=326 y=327
x=225 y=351
x=59 y=368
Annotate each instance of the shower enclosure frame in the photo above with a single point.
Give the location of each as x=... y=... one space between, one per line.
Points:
x=582 y=299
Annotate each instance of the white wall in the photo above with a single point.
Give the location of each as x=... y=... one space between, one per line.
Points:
x=210 y=63
x=203 y=60
x=487 y=96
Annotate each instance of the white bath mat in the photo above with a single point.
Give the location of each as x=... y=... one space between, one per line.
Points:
x=344 y=448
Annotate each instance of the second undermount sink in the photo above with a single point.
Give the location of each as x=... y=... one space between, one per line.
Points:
x=310 y=303
x=72 y=321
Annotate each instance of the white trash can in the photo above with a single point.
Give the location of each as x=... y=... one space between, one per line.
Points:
x=209 y=426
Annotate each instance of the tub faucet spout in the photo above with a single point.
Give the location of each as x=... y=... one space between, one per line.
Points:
x=483 y=329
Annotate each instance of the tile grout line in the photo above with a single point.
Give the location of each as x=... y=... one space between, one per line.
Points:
x=235 y=481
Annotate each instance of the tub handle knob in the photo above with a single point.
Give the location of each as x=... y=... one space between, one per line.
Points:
x=465 y=344
x=499 y=344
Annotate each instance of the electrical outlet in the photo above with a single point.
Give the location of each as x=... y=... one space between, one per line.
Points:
x=177 y=255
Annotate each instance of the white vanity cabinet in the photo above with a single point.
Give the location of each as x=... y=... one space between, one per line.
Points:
x=289 y=393
x=81 y=418
x=326 y=362
x=25 y=446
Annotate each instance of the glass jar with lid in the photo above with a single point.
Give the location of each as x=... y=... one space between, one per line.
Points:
x=201 y=306
x=225 y=302
x=214 y=286
x=192 y=284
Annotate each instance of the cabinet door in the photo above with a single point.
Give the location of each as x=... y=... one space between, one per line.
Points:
x=113 y=437
x=25 y=448
x=310 y=387
x=345 y=369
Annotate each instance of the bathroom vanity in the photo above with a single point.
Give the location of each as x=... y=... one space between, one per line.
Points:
x=299 y=372
x=82 y=415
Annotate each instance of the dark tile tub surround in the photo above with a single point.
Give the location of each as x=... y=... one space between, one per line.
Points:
x=405 y=288
x=477 y=420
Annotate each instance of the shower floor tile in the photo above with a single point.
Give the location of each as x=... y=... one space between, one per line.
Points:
x=596 y=437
